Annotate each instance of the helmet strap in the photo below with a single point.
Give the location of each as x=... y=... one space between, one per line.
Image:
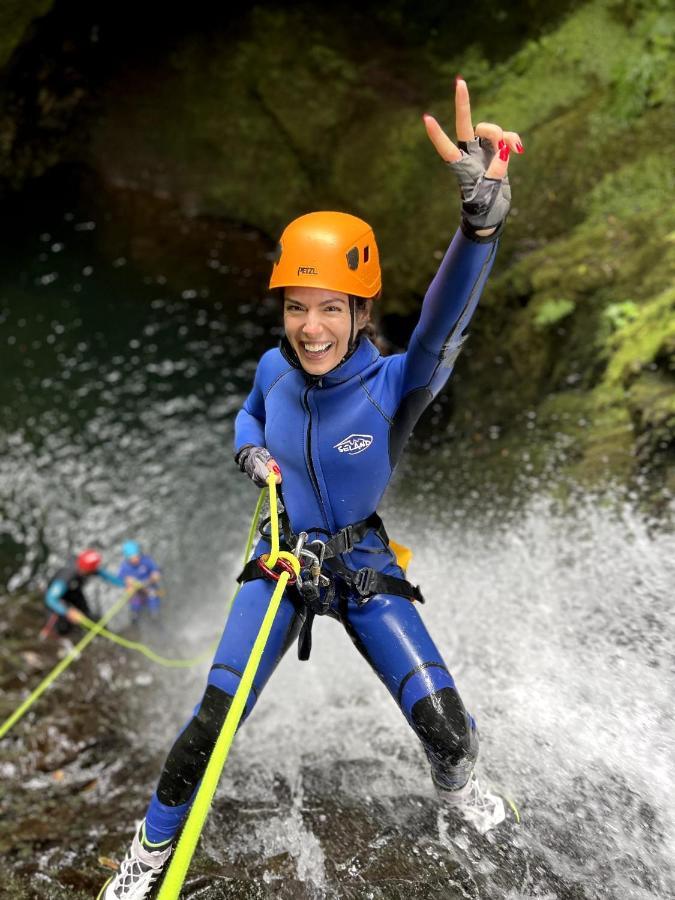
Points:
x=291 y=356
x=352 y=316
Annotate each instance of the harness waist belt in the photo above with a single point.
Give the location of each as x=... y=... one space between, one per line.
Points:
x=344 y=540
x=364 y=582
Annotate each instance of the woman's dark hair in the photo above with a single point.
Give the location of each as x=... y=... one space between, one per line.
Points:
x=371 y=329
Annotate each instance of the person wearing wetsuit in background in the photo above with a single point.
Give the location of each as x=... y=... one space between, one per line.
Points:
x=65 y=597
x=139 y=568
x=330 y=417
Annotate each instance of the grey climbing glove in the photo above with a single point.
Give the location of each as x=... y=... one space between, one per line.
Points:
x=485 y=201
x=253 y=461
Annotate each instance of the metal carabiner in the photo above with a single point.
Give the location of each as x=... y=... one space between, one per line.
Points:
x=317 y=563
x=300 y=543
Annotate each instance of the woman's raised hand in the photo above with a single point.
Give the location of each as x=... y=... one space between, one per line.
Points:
x=480 y=161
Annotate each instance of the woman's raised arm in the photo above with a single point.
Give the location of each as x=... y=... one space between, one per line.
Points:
x=479 y=162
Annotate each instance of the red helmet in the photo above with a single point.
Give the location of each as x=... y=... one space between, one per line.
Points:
x=88 y=561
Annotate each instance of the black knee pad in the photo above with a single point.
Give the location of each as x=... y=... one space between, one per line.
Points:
x=189 y=756
x=444 y=727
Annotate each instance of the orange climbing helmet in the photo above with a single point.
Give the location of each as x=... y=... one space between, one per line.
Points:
x=88 y=562
x=330 y=250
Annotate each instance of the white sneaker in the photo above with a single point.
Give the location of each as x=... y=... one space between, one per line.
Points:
x=138 y=871
x=479 y=807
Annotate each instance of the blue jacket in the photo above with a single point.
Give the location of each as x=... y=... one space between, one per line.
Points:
x=141 y=572
x=337 y=438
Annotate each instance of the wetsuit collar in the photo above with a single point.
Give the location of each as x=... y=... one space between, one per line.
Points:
x=363 y=354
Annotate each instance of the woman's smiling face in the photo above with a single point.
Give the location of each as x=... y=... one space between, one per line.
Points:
x=318 y=325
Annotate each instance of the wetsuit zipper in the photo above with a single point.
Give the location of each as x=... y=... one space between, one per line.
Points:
x=310 y=464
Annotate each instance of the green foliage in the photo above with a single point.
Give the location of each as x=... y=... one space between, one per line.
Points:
x=557 y=70
x=620 y=314
x=646 y=341
x=550 y=312
x=645 y=76
x=645 y=184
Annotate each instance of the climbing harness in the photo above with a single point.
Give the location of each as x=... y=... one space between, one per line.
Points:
x=323 y=576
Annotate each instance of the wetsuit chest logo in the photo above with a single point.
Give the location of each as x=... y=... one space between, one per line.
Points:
x=355 y=443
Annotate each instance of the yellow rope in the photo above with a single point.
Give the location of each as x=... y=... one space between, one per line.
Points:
x=148 y=652
x=97 y=627
x=277 y=554
x=187 y=844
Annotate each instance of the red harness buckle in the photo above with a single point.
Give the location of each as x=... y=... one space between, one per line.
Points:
x=281 y=563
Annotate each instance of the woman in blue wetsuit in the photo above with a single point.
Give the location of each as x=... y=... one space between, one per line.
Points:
x=330 y=416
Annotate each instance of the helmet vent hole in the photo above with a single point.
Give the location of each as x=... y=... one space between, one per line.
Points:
x=366 y=253
x=353 y=258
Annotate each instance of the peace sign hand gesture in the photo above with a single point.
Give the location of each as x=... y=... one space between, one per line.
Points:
x=480 y=163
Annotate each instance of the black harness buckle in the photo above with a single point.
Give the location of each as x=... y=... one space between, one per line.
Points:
x=348 y=532
x=364 y=583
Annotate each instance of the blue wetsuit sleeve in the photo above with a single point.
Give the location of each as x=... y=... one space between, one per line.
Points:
x=110 y=578
x=448 y=306
x=249 y=426
x=53 y=600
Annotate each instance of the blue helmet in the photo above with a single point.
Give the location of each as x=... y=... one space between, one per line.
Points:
x=130 y=549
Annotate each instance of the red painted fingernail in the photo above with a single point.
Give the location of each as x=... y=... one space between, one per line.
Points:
x=504 y=153
x=458 y=78
x=276 y=470
x=501 y=145
x=520 y=148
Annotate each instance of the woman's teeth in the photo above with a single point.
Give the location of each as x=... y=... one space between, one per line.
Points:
x=316 y=348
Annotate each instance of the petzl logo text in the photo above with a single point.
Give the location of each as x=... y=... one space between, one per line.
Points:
x=355 y=443
x=307 y=270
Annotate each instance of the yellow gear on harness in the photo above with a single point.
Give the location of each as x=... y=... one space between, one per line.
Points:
x=403 y=554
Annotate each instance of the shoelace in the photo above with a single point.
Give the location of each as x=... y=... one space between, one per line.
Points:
x=132 y=870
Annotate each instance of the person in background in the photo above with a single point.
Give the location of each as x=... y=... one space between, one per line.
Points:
x=65 y=597
x=139 y=568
